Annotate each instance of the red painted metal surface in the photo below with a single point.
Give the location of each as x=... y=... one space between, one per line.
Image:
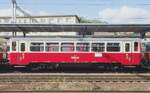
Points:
x=147 y=56
x=1 y=56
x=26 y=58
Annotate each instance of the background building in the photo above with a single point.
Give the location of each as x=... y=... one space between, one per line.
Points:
x=57 y=19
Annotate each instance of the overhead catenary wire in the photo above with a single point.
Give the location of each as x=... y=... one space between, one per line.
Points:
x=78 y=3
x=16 y=7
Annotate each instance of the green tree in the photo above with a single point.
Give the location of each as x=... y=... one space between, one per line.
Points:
x=85 y=20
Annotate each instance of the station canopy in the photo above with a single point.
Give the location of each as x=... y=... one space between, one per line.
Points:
x=75 y=28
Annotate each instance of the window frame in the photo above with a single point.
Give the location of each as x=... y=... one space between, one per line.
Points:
x=133 y=49
x=53 y=43
x=25 y=46
x=11 y=46
x=36 y=42
x=74 y=48
x=99 y=51
x=130 y=47
x=120 y=42
x=89 y=50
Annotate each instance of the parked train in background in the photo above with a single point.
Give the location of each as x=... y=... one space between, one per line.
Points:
x=52 y=52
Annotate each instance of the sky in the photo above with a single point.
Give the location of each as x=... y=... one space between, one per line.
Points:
x=111 y=11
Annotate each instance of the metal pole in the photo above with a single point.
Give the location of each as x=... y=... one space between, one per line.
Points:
x=14 y=11
x=14 y=5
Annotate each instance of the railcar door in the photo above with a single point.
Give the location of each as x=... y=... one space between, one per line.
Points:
x=22 y=50
x=136 y=53
x=128 y=52
x=13 y=55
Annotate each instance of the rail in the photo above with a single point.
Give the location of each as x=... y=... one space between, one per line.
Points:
x=74 y=82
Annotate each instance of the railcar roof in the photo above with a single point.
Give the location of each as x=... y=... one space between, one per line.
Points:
x=74 y=39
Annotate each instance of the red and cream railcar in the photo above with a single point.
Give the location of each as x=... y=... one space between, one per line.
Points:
x=146 y=49
x=26 y=51
x=1 y=54
x=3 y=51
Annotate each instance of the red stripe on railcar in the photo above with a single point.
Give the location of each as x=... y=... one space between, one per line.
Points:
x=28 y=58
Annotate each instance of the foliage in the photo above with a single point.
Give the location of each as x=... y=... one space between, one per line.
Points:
x=85 y=20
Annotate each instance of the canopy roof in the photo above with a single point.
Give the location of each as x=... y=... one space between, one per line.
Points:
x=74 y=28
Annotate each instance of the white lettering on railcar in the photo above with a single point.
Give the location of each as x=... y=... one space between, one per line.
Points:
x=97 y=54
x=75 y=57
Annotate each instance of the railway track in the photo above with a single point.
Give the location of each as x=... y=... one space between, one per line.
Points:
x=61 y=77
x=72 y=83
x=75 y=92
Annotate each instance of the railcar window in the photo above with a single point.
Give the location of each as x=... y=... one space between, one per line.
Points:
x=36 y=46
x=113 y=47
x=98 y=47
x=127 y=47
x=13 y=46
x=135 y=46
x=147 y=46
x=67 y=47
x=8 y=48
x=22 y=46
x=1 y=49
x=83 y=47
x=52 y=46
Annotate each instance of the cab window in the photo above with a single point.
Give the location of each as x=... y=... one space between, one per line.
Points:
x=1 y=48
x=22 y=46
x=127 y=47
x=146 y=46
x=14 y=46
x=136 y=46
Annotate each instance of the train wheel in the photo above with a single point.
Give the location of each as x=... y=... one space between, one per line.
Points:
x=42 y=67
x=6 y=68
x=32 y=67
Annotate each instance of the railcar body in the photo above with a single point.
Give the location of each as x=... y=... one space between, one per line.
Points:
x=3 y=51
x=146 y=49
x=1 y=54
x=123 y=51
